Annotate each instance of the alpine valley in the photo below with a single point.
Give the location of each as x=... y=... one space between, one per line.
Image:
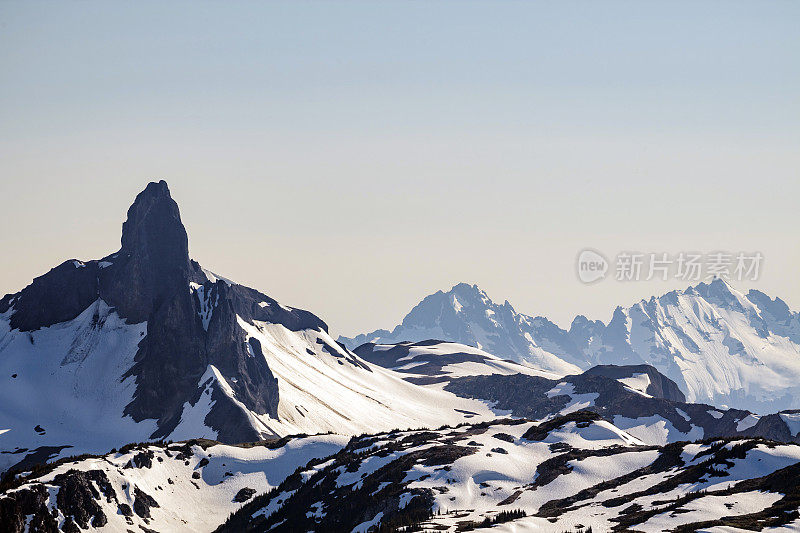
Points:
x=141 y=392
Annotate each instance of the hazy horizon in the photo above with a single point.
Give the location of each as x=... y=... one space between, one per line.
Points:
x=352 y=158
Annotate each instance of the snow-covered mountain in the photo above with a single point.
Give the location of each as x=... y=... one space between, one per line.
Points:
x=145 y=344
x=720 y=346
x=466 y=315
x=565 y=474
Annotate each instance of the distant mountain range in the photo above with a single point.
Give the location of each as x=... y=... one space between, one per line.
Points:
x=720 y=346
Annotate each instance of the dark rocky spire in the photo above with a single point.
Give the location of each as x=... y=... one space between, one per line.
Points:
x=153 y=229
x=154 y=260
x=150 y=280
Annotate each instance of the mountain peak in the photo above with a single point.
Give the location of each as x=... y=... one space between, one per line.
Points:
x=154 y=228
x=715 y=284
x=471 y=292
x=720 y=283
x=465 y=288
x=154 y=260
x=718 y=291
x=466 y=315
x=152 y=264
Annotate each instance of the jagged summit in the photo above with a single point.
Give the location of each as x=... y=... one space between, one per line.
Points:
x=465 y=314
x=186 y=324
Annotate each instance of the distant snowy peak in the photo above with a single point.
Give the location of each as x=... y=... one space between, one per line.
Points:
x=719 y=345
x=466 y=315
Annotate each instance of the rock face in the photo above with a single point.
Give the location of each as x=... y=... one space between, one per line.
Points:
x=77 y=497
x=655 y=383
x=154 y=258
x=150 y=279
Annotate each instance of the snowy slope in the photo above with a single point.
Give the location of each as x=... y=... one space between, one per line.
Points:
x=571 y=472
x=63 y=380
x=720 y=346
x=189 y=486
x=334 y=390
x=433 y=361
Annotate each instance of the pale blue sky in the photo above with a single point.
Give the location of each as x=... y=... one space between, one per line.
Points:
x=351 y=157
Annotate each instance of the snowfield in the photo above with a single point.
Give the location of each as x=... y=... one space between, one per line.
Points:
x=67 y=381
x=572 y=471
x=324 y=391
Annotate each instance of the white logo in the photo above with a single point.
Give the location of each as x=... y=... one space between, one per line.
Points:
x=592 y=266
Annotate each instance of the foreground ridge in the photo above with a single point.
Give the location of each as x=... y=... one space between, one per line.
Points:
x=568 y=473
